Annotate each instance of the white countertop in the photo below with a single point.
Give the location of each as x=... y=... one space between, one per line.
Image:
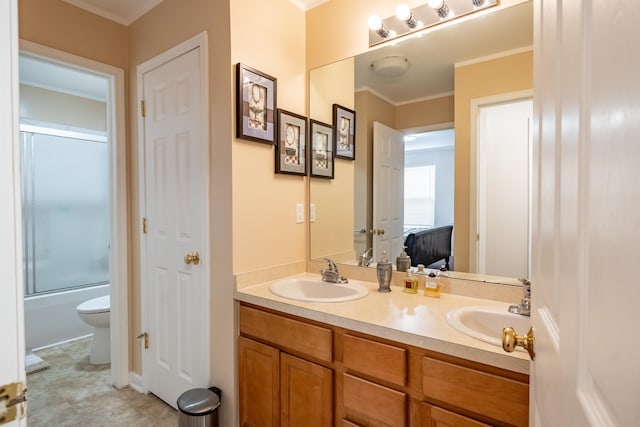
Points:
x=412 y=319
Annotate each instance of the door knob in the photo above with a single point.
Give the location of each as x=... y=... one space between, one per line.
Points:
x=377 y=231
x=510 y=340
x=193 y=258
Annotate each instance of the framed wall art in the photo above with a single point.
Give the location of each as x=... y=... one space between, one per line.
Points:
x=344 y=131
x=291 y=143
x=321 y=149
x=255 y=105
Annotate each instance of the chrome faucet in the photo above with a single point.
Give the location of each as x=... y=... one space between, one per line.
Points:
x=331 y=274
x=366 y=258
x=524 y=308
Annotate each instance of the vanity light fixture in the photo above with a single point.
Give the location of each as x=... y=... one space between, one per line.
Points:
x=410 y=20
x=440 y=7
x=403 y=13
x=375 y=24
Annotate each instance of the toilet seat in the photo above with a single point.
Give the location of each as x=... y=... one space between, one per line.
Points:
x=95 y=305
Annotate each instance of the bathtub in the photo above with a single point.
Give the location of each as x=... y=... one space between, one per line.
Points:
x=52 y=318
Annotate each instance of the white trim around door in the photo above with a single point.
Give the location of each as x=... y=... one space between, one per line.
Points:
x=476 y=105
x=118 y=197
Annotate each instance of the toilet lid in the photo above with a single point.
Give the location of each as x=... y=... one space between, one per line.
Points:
x=95 y=305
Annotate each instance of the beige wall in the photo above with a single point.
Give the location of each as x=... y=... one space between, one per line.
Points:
x=61 y=26
x=268 y=36
x=424 y=113
x=60 y=108
x=502 y=75
x=332 y=232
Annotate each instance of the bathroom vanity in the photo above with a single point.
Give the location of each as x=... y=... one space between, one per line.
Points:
x=383 y=360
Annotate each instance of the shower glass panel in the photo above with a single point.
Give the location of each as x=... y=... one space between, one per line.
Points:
x=65 y=209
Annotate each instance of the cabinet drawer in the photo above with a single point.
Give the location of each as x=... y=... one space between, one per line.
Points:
x=371 y=404
x=287 y=334
x=438 y=417
x=386 y=362
x=486 y=394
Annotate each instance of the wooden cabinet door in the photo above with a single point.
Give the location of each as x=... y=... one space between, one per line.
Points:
x=259 y=384
x=306 y=393
x=433 y=416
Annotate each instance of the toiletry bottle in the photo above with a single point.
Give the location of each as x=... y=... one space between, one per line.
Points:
x=403 y=262
x=384 y=269
x=411 y=283
x=432 y=285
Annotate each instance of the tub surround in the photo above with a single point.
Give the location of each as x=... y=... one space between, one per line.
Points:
x=412 y=319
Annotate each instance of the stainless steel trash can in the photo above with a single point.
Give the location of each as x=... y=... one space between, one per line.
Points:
x=199 y=407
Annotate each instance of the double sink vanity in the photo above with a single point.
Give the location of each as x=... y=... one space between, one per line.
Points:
x=317 y=353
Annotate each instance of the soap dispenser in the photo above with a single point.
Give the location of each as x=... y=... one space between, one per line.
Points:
x=403 y=262
x=384 y=269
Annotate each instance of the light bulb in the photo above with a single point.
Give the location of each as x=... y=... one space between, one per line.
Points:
x=435 y=4
x=403 y=12
x=375 y=23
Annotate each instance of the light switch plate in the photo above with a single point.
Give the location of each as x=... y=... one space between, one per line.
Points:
x=299 y=213
x=312 y=212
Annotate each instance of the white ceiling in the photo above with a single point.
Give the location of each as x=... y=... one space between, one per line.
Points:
x=126 y=12
x=49 y=75
x=434 y=54
x=121 y=11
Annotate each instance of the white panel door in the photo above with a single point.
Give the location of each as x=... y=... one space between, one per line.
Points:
x=388 y=192
x=175 y=202
x=586 y=216
x=11 y=294
x=504 y=131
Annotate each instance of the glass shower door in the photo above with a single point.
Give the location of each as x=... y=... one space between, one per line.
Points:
x=65 y=209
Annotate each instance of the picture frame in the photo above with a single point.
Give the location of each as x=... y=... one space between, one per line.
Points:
x=255 y=105
x=344 y=131
x=291 y=143
x=322 y=154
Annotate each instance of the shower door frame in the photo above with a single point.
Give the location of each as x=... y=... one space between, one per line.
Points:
x=118 y=197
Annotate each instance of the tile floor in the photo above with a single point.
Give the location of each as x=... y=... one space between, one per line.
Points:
x=73 y=393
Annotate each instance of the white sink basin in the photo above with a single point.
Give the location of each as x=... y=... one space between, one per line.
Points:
x=486 y=324
x=315 y=290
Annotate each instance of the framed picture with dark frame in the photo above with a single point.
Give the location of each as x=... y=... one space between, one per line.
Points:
x=344 y=132
x=291 y=143
x=321 y=149
x=255 y=105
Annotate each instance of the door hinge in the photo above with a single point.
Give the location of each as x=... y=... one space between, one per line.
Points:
x=144 y=336
x=143 y=108
x=144 y=225
x=13 y=398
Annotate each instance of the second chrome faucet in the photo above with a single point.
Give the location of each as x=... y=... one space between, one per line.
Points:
x=331 y=273
x=524 y=308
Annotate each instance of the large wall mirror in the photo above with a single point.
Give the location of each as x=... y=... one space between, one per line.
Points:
x=440 y=101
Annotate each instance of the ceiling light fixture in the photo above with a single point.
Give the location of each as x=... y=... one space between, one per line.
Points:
x=391 y=66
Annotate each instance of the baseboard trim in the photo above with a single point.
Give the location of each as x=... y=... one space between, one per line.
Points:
x=135 y=382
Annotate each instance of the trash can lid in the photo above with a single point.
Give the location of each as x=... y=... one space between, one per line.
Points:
x=198 y=401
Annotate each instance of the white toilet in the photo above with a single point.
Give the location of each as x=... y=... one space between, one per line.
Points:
x=95 y=312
